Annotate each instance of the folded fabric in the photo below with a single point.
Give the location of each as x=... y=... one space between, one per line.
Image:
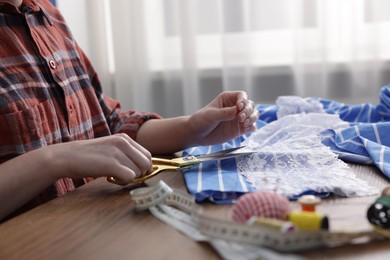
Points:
x=362 y=140
x=367 y=140
x=216 y=181
x=363 y=143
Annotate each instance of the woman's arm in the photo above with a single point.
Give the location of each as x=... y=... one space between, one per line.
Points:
x=229 y=115
x=25 y=176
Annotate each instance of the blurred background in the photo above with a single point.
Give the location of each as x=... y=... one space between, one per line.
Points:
x=175 y=56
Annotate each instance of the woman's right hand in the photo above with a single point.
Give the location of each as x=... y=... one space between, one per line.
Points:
x=117 y=155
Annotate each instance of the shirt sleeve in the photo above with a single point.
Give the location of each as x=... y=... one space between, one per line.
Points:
x=128 y=122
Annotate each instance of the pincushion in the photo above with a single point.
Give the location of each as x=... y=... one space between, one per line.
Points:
x=261 y=204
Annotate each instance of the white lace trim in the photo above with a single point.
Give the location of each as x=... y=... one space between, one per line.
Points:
x=289 y=105
x=291 y=159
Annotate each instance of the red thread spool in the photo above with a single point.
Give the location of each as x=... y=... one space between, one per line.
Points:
x=262 y=204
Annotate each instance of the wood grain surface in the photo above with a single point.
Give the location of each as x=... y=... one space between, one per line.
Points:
x=97 y=221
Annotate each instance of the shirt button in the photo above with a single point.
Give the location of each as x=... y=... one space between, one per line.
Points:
x=52 y=64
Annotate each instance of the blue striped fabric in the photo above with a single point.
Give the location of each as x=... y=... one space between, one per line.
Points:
x=216 y=181
x=366 y=141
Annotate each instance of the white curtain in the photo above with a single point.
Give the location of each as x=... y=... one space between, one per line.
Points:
x=174 y=56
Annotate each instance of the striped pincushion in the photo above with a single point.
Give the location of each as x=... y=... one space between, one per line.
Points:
x=261 y=204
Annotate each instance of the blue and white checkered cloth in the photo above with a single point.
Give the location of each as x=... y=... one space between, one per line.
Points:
x=366 y=141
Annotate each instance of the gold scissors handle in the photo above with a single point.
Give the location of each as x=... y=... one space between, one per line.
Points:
x=159 y=165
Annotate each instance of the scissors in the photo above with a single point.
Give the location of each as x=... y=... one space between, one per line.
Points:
x=181 y=163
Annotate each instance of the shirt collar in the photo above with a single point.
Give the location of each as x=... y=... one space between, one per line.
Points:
x=6 y=7
x=28 y=6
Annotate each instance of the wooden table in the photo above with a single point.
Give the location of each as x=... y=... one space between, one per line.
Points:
x=97 y=221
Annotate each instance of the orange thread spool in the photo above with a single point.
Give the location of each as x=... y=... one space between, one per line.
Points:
x=309 y=202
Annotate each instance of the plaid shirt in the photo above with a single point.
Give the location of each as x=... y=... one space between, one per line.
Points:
x=49 y=92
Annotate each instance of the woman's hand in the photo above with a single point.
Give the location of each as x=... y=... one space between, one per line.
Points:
x=229 y=115
x=118 y=156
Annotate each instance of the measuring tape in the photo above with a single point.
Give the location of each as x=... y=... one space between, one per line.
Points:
x=185 y=214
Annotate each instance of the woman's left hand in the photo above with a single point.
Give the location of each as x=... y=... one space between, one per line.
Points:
x=228 y=116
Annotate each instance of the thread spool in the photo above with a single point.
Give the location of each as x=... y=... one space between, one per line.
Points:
x=307 y=219
x=309 y=202
x=261 y=204
x=281 y=225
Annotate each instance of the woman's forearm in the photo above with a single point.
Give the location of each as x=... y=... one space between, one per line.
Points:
x=166 y=136
x=23 y=177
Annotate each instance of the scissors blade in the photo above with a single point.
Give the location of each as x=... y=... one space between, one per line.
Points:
x=223 y=156
x=219 y=153
x=192 y=160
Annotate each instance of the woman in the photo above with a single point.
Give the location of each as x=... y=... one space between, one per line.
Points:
x=58 y=131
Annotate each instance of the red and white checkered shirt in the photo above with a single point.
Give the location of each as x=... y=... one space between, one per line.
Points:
x=49 y=91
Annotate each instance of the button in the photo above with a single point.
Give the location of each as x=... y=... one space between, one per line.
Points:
x=52 y=64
